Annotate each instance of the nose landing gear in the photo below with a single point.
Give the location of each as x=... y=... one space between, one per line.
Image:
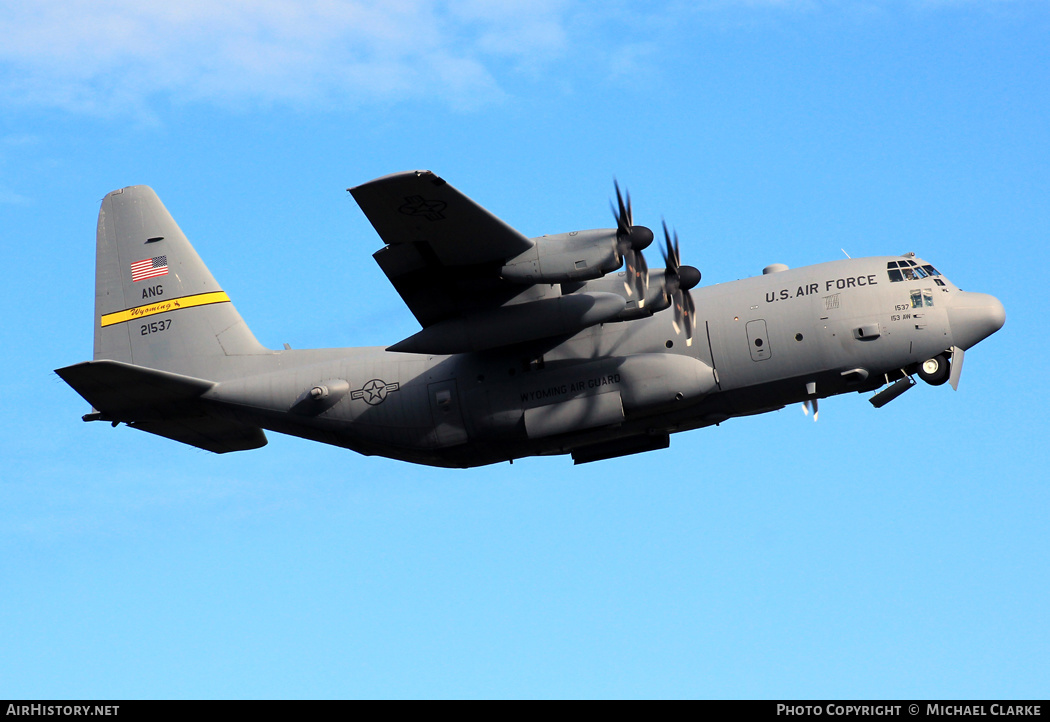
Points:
x=936 y=370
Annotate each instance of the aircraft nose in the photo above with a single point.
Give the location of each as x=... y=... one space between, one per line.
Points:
x=974 y=317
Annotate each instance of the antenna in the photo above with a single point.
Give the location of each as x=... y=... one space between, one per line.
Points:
x=846 y=254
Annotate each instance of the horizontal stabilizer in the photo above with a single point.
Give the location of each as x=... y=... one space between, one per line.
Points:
x=159 y=402
x=123 y=392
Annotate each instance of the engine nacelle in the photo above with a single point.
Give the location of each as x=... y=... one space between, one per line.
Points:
x=565 y=257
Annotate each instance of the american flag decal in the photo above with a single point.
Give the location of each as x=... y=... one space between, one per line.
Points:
x=149 y=268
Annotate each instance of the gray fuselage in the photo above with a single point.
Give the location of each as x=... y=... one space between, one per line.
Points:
x=760 y=343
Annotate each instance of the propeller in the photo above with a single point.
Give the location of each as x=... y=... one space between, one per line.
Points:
x=811 y=403
x=805 y=407
x=631 y=240
x=678 y=279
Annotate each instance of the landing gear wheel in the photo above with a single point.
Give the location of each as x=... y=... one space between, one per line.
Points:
x=935 y=371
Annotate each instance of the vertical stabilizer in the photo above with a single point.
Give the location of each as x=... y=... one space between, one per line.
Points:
x=156 y=303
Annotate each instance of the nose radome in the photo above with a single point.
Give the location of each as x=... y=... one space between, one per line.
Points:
x=974 y=317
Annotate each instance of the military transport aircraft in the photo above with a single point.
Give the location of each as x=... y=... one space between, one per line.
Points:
x=562 y=344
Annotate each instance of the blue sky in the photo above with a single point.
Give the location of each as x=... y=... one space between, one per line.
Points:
x=899 y=552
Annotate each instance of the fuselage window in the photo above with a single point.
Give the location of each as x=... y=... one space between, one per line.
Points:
x=921 y=297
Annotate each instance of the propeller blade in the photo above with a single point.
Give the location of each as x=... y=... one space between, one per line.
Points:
x=806 y=406
x=642 y=279
x=671 y=279
x=630 y=241
x=637 y=279
x=623 y=214
x=670 y=252
x=690 y=316
x=677 y=321
x=678 y=279
x=628 y=235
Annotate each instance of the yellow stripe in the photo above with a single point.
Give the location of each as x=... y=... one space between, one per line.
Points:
x=174 y=304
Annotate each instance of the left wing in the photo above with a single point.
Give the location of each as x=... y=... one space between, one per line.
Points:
x=444 y=251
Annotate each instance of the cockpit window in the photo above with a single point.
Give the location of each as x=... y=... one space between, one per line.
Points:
x=908 y=270
x=895 y=275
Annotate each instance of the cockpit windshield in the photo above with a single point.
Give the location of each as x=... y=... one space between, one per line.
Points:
x=908 y=270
